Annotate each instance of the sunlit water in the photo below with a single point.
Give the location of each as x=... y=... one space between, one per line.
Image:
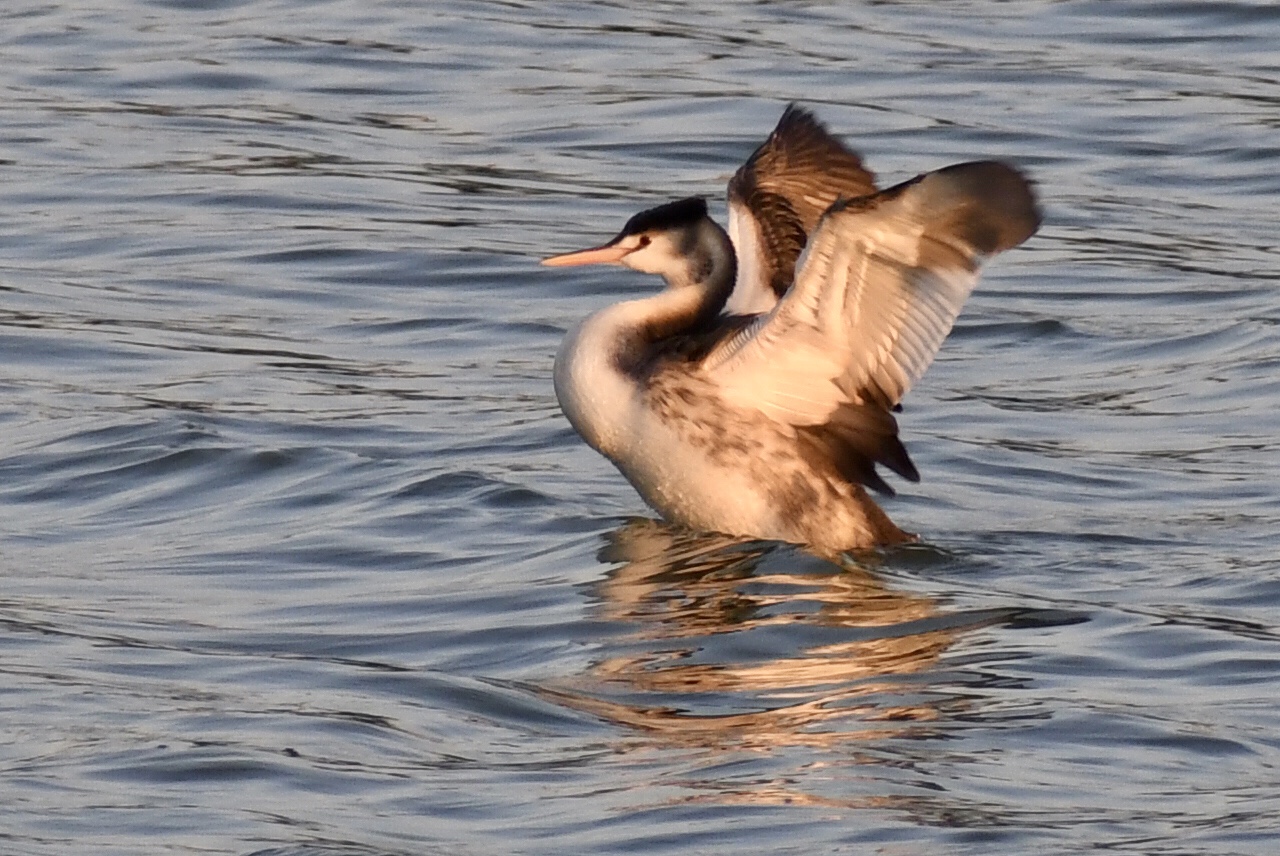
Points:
x=299 y=556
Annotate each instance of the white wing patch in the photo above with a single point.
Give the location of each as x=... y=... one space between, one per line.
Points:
x=751 y=293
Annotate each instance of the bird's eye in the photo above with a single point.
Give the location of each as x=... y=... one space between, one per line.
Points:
x=644 y=241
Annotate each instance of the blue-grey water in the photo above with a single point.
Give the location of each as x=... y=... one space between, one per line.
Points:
x=300 y=558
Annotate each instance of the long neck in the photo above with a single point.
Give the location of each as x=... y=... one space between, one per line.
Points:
x=603 y=362
x=699 y=282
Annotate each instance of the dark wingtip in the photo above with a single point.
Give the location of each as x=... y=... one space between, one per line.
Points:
x=1005 y=198
x=799 y=125
x=796 y=114
x=894 y=456
x=989 y=204
x=856 y=439
x=872 y=479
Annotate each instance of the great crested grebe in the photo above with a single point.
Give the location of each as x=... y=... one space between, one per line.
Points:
x=768 y=421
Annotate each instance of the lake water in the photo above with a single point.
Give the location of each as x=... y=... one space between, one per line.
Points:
x=300 y=558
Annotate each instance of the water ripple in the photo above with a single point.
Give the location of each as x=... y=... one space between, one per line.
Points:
x=301 y=558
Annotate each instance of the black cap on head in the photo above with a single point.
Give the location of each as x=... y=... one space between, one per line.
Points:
x=669 y=216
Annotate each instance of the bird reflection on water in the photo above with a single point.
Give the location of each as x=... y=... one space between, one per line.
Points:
x=757 y=646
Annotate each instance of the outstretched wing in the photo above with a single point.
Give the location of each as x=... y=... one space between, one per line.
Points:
x=777 y=198
x=877 y=290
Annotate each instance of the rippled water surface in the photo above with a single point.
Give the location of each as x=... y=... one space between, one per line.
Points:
x=300 y=557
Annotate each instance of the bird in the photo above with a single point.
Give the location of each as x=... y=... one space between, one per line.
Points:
x=755 y=395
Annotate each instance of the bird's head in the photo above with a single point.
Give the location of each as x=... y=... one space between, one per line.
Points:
x=669 y=240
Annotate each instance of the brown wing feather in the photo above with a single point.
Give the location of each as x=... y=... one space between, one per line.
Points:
x=790 y=181
x=783 y=235
x=854 y=440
